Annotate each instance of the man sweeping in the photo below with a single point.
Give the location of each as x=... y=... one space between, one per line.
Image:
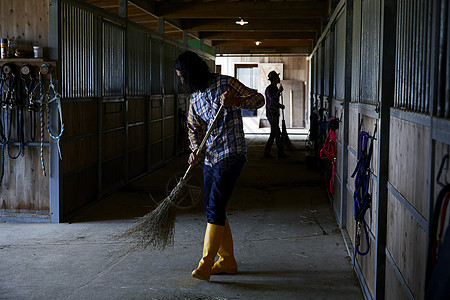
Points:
x=225 y=154
x=273 y=107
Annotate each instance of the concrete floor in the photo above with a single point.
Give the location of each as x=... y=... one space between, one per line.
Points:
x=287 y=243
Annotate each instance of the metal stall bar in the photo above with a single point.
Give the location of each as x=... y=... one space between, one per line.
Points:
x=386 y=100
x=54 y=39
x=347 y=98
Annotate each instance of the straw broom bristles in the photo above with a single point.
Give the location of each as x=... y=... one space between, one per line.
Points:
x=157 y=228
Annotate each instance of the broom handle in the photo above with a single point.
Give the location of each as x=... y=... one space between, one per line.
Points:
x=202 y=145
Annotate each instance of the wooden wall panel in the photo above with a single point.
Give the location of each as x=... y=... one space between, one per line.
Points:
x=137 y=136
x=169 y=148
x=169 y=106
x=408 y=151
x=112 y=173
x=406 y=241
x=156 y=109
x=169 y=127
x=338 y=158
x=350 y=217
x=137 y=163
x=352 y=162
x=113 y=144
x=155 y=154
x=112 y=115
x=78 y=153
x=79 y=189
x=155 y=131
x=394 y=289
x=79 y=118
x=33 y=31
x=368 y=125
x=367 y=264
x=353 y=128
x=136 y=110
x=24 y=187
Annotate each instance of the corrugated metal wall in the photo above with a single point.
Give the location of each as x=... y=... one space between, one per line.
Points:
x=79 y=52
x=121 y=102
x=394 y=76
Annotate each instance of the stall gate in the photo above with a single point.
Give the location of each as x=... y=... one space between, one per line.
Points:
x=382 y=67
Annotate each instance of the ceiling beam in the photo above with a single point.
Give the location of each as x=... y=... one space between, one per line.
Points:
x=259 y=35
x=149 y=6
x=254 y=24
x=195 y=10
x=264 y=43
x=264 y=50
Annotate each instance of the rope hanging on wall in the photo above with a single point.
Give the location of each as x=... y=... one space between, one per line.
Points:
x=362 y=198
x=329 y=149
x=18 y=93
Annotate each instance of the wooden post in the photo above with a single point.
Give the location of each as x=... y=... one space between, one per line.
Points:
x=386 y=100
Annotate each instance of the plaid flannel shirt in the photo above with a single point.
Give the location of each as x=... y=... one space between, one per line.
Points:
x=227 y=137
x=272 y=101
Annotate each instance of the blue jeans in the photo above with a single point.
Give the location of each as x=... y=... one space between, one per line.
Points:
x=219 y=182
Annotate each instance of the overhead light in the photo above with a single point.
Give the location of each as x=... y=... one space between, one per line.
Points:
x=258 y=43
x=241 y=22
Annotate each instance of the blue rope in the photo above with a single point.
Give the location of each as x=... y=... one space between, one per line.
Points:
x=3 y=163
x=362 y=198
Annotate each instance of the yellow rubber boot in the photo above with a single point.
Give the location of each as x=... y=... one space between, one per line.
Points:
x=213 y=238
x=226 y=263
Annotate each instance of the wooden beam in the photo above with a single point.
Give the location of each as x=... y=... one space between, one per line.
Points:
x=264 y=43
x=290 y=9
x=260 y=35
x=264 y=50
x=149 y=6
x=254 y=24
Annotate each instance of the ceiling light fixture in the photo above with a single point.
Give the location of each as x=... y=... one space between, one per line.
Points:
x=258 y=43
x=241 y=22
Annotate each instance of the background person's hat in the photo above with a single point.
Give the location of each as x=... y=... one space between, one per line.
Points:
x=273 y=75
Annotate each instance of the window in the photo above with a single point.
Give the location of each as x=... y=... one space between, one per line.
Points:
x=248 y=75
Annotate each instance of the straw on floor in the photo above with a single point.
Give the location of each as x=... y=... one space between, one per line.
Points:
x=157 y=228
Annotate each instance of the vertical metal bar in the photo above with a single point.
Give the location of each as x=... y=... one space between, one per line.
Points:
x=346 y=107
x=397 y=56
x=123 y=8
x=386 y=98
x=147 y=100
x=161 y=80
x=435 y=34
x=428 y=54
x=125 y=61
x=415 y=47
x=446 y=98
x=331 y=82
x=421 y=49
x=54 y=39
x=402 y=39
x=161 y=24
x=408 y=54
x=441 y=72
x=98 y=75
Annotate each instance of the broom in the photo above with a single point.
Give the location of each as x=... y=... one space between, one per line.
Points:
x=287 y=144
x=157 y=228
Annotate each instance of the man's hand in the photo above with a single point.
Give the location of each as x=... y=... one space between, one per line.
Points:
x=228 y=99
x=194 y=158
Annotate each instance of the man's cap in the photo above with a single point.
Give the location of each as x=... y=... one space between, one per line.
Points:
x=273 y=75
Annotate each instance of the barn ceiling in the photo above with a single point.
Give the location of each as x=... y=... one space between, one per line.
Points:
x=281 y=27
